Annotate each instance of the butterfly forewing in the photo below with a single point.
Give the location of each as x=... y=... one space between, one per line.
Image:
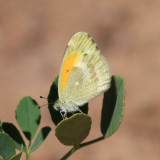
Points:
x=84 y=73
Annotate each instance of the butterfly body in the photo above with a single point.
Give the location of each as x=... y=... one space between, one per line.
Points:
x=84 y=74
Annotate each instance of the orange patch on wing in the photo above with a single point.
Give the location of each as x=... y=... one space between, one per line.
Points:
x=68 y=64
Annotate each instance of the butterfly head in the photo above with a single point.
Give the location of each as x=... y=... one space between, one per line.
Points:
x=57 y=105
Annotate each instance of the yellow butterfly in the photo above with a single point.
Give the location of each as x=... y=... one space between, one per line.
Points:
x=84 y=74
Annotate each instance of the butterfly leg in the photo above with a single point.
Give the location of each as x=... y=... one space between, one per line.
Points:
x=63 y=114
x=80 y=110
x=77 y=108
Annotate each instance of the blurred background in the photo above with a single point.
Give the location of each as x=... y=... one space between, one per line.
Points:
x=33 y=37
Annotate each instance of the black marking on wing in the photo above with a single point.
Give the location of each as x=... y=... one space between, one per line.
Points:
x=85 y=55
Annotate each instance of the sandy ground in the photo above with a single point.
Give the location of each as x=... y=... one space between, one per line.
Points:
x=33 y=37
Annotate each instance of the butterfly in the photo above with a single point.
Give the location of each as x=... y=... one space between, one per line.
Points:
x=84 y=74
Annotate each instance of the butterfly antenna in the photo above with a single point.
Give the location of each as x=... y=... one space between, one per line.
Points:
x=51 y=102
x=44 y=105
x=46 y=98
x=43 y=97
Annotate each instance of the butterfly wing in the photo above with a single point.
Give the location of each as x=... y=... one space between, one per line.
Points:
x=84 y=73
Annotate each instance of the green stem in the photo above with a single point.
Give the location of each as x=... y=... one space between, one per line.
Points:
x=69 y=153
x=27 y=155
x=81 y=145
x=91 y=142
x=28 y=151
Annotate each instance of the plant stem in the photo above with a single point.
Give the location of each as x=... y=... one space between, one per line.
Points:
x=28 y=151
x=91 y=142
x=81 y=145
x=27 y=155
x=69 y=153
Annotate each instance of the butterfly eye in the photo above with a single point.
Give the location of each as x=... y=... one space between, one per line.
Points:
x=67 y=70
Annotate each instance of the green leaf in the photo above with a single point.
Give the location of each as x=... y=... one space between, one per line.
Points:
x=113 y=107
x=28 y=116
x=52 y=97
x=40 y=138
x=14 y=133
x=7 y=147
x=17 y=156
x=72 y=131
